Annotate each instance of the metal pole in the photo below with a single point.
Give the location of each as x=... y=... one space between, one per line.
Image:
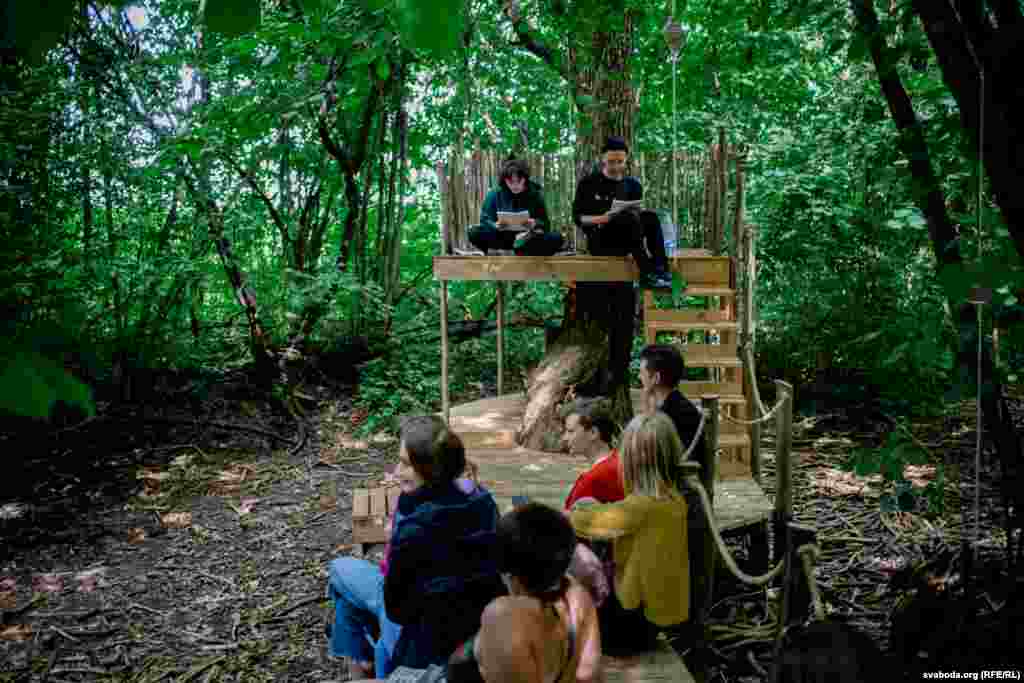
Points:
x=501 y=338
x=675 y=185
x=444 y=351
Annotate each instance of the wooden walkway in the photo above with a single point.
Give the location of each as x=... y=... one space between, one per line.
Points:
x=488 y=428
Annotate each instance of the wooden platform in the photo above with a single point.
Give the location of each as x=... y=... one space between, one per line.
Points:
x=493 y=423
x=695 y=270
x=488 y=429
x=661 y=664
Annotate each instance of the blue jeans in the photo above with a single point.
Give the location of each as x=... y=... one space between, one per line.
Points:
x=357 y=588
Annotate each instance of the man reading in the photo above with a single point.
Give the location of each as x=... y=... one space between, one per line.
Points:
x=628 y=231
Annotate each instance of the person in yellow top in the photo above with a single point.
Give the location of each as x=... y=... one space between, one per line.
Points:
x=649 y=538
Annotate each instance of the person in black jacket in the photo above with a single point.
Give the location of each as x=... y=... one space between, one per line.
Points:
x=516 y=192
x=439 y=570
x=624 y=232
x=661 y=370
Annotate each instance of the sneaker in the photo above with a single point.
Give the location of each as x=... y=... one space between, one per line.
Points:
x=655 y=281
x=525 y=239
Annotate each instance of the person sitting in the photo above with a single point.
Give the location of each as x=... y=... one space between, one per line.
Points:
x=438 y=572
x=624 y=232
x=515 y=193
x=661 y=369
x=589 y=430
x=649 y=539
x=546 y=629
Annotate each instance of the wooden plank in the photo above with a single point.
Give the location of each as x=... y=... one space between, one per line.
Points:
x=739 y=503
x=694 y=389
x=695 y=270
x=393 y=493
x=671 y=326
x=669 y=315
x=660 y=664
x=711 y=356
x=360 y=503
x=378 y=502
x=708 y=290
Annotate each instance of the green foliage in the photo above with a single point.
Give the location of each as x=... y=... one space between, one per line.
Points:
x=231 y=17
x=31 y=384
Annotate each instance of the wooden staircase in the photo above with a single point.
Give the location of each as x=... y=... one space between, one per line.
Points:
x=722 y=359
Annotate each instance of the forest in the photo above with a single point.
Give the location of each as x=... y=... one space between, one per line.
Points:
x=219 y=224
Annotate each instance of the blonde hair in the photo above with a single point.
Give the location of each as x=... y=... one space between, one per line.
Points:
x=651 y=454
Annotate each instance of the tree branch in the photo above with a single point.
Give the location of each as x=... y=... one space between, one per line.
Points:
x=526 y=41
x=251 y=182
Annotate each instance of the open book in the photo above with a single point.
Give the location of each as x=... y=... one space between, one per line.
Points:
x=622 y=205
x=617 y=206
x=512 y=220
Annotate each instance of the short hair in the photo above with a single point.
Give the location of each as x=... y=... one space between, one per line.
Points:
x=513 y=167
x=614 y=143
x=436 y=452
x=666 y=360
x=651 y=452
x=536 y=544
x=593 y=413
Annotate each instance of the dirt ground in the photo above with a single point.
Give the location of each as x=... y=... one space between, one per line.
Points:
x=185 y=542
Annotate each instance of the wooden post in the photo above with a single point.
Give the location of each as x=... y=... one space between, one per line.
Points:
x=444 y=352
x=709 y=403
x=783 y=466
x=501 y=338
x=796 y=594
x=748 y=342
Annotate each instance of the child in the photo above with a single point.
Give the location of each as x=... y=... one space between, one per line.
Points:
x=546 y=629
x=648 y=533
x=439 y=573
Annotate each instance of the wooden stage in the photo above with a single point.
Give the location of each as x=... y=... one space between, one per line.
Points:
x=488 y=427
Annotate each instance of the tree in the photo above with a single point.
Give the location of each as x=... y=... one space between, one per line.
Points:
x=591 y=354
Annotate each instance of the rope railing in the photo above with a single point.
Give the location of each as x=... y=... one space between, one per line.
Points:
x=723 y=551
x=809 y=555
x=748 y=361
x=764 y=418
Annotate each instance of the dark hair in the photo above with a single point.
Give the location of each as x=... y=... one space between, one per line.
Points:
x=513 y=167
x=614 y=144
x=593 y=412
x=536 y=544
x=435 y=451
x=665 y=359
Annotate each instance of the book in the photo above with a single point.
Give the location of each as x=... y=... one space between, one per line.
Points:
x=512 y=219
x=623 y=205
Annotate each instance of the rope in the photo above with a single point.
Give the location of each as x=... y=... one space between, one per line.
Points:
x=748 y=362
x=809 y=555
x=723 y=551
x=764 y=418
x=696 y=437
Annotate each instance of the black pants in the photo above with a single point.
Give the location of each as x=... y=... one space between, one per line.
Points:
x=486 y=238
x=634 y=233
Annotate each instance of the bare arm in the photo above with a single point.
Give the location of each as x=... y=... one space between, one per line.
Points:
x=588 y=668
x=504 y=649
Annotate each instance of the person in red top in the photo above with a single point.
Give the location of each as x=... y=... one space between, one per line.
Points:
x=589 y=430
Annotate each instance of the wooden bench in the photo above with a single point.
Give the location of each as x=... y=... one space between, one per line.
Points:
x=371 y=509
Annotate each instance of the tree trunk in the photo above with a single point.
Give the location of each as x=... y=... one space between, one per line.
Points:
x=591 y=354
x=998 y=51
x=929 y=198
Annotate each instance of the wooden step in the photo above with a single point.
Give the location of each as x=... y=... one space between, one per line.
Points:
x=709 y=290
x=711 y=356
x=671 y=326
x=726 y=391
x=659 y=316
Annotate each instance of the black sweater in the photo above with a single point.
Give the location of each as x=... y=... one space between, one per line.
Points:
x=596 y=191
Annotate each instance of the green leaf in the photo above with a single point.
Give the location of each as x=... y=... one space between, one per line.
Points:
x=32 y=28
x=431 y=25
x=231 y=17
x=383 y=69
